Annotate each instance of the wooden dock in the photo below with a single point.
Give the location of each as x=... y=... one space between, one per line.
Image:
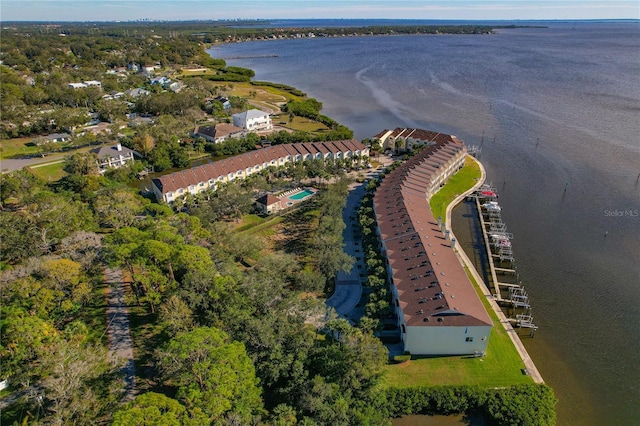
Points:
x=492 y=268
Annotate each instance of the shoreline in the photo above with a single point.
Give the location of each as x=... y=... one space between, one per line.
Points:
x=465 y=261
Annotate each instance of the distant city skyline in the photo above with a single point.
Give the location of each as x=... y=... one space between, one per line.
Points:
x=125 y=10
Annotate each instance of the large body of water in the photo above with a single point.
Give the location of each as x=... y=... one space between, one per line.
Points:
x=559 y=108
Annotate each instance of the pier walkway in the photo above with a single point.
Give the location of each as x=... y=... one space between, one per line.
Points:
x=462 y=256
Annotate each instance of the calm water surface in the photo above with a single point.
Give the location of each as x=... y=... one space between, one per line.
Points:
x=554 y=108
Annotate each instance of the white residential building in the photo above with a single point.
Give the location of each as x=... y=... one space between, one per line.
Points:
x=253 y=120
x=113 y=157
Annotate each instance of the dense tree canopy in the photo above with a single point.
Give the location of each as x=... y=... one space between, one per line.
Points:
x=212 y=373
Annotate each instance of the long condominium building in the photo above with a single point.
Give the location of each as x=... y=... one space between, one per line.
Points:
x=438 y=309
x=200 y=178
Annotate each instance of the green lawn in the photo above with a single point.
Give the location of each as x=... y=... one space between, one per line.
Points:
x=18 y=147
x=300 y=123
x=457 y=184
x=50 y=172
x=262 y=93
x=249 y=221
x=264 y=229
x=501 y=366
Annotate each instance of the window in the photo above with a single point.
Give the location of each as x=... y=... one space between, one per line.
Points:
x=469 y=339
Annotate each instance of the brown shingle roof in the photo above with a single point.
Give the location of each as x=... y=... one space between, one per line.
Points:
x=184 y=178
x=430 y=281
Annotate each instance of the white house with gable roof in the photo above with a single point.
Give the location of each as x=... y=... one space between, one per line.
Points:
x=253 y=120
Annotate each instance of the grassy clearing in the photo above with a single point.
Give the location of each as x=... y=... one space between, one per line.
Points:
x=258 y=93
x=457 y=184
x=193 y=73
x=50 y=172
x=18 y=147
x=300 y=123
x=501 y=366
x=264 y=229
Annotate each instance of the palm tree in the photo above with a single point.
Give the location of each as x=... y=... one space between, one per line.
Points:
x=399 y=144
x=144 y=143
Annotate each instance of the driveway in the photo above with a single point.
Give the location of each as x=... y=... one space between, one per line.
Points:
x=348 y=289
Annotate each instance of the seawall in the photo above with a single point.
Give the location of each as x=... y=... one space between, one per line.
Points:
x=464 y=259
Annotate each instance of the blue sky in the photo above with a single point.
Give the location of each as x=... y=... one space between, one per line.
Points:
x=106 y=10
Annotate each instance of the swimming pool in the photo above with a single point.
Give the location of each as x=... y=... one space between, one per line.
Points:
x=302 y=194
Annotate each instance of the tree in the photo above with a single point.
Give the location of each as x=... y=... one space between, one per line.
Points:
x=400 y=144
x=151 y=409
x=75 y=391
x=212 y=373
x=117 y=209
x=81 y=163
x=23 y=338
x=66 y=278
x=176 y=315
x=144 y=144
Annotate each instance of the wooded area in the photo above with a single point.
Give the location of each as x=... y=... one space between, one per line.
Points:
x=228 y=327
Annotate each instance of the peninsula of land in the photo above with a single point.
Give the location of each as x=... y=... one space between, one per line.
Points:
x=206 y=303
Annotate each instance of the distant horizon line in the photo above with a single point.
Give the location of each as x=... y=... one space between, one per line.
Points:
x=149 y=20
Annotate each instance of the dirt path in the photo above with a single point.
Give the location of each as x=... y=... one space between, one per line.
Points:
x=119 y=330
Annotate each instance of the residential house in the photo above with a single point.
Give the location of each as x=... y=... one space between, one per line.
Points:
x=175 y=86
x=218 y=133
x=136 y=121
x=98 y=128
x=208 y=133
x=84 y=85
x=226 y=131
x=269 y=204
x=134 y=93
x=93 y=83
x=54 y=138
x=113 y=157
x=77 y=85
x=253 y=120
x=437 y=308
x=226 y=103
x=162 y=81
x=149 y=69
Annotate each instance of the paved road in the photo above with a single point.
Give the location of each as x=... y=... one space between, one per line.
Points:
x=12 y=164
x=348 y=285
x=348 y=289
x=119 y=330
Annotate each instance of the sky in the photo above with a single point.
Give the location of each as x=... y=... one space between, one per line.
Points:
x=126 y=10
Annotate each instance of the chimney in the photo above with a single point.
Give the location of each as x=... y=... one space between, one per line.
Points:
x=119 y=147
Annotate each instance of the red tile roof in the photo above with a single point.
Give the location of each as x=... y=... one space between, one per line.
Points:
x=193 y=176
x=429 y=279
